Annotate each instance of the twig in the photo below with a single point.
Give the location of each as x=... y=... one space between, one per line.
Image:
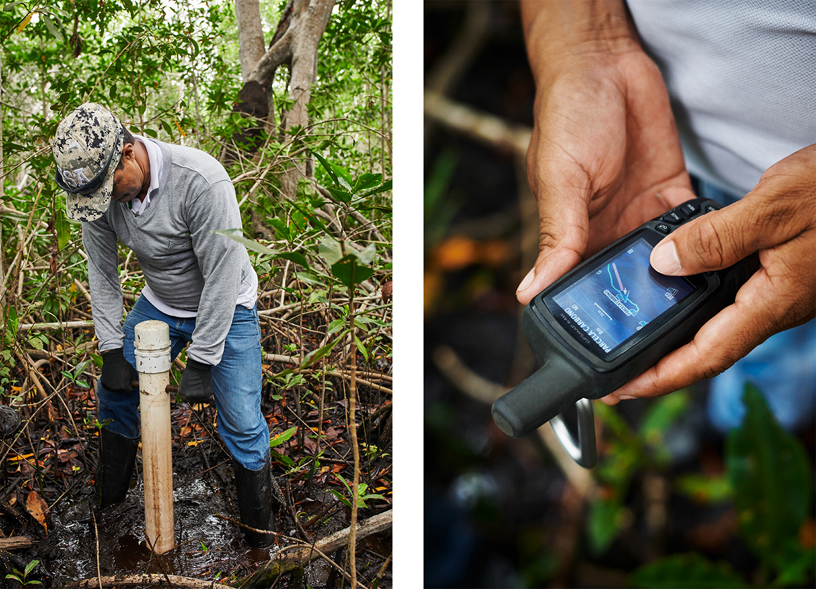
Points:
x=477 y=125
x=296 y=556
x=96 y=537
x=52 y=326
x=158 y=560
x=145 y=580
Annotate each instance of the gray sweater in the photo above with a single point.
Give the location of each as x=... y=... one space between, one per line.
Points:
x=185 y=264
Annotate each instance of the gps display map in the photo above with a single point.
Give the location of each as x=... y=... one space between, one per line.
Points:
x=621 y=296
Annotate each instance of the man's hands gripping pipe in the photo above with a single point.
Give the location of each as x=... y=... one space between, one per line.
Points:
x=119 y=376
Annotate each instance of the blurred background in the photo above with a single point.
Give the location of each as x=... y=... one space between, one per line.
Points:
x=673 y=502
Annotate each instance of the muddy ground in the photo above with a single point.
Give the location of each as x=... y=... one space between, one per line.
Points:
x=46 y=492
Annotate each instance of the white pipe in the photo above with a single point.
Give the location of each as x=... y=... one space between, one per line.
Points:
x=152 y=342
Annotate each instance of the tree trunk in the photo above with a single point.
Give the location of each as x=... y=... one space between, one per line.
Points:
x=294 y=44
x=314 y=19
x=251 y=47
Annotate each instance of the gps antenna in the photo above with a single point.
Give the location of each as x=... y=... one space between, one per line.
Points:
x=539 y=398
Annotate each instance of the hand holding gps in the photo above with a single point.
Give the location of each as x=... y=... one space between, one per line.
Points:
x=607 y=321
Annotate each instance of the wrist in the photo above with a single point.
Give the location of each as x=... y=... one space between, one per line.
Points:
x=199 y=366
x=558 y=31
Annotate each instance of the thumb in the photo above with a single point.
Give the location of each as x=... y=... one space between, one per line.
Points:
x=714 y=241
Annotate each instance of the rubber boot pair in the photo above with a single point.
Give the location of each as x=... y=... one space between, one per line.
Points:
x=117 y=460
x=255 y=499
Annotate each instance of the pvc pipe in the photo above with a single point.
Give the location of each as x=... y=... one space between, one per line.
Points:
x=152 y=342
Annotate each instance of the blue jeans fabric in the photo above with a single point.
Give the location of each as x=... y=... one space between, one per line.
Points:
x=783 y=367
x=237 y=381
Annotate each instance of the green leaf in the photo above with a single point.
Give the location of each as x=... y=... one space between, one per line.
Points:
x=63 y=228
x=49 y=24
x=340 y=497
x=366 y=255
x=281 y=458
x=345 y=181
x=316 y=355
x=293 y=257
x=280 y=439
x=603 y=525
x=281 y=228
x=685 y=570
x=316 y=223
x=771 y=477
x=705 y=489
x=348 y=271
x=336 y=325
x=382 y=188
x=326 y=166
x=329 y=249
x=11 y=316
x=367 y=181
x=237 y=235
x=30 y=566
x=662 y=413
x=341 y=195
x=361 y=347
x=309 y=279
x=80 y=367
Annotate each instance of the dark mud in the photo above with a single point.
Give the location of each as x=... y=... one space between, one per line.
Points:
x=76 y=542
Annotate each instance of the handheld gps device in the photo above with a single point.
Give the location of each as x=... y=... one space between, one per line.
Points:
x=607 y=321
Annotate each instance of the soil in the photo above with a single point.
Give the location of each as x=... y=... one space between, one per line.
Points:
x=73 y=541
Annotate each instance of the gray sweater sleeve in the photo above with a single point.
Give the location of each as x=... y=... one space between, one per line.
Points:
x=220 y=260
x=99 y=241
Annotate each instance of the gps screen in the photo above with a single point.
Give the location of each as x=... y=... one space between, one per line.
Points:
x=621 y=296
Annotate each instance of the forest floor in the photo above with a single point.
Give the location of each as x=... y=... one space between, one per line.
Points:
x=46 y=488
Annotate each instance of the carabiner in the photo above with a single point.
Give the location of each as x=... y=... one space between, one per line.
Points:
x=582 y=450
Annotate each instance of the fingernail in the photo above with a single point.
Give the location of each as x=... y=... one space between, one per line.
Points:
x=626 y=397
x=528 y=280
x=664 y=258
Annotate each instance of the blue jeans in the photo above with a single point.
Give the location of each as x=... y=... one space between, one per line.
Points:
x=783 y=367
x=237 y=381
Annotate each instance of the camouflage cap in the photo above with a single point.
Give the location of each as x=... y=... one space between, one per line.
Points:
x=87 y=148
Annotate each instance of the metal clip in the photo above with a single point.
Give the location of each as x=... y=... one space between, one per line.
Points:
x=582 y=450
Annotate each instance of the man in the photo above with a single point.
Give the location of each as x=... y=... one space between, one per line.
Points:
x=725 y=93
x=164 y=201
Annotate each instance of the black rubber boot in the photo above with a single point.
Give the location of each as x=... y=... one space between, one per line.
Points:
x=255 y=503
x=117 y=459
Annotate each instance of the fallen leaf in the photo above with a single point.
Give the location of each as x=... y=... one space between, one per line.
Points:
x=310 y=444
x=37 y=508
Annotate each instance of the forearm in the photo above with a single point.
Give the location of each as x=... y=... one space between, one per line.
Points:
x=557 y=30
x=222 y=262
x=103 y=279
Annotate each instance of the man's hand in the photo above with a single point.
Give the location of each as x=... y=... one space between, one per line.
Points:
x=778 y=219
x=117 y=372
x=196 y=382
x=605 y=156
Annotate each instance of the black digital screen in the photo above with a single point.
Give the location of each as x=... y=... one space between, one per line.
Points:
x=620 y=296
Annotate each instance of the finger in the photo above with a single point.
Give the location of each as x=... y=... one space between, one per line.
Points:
x=723 y=340
x=721 y=238
x=561 y=188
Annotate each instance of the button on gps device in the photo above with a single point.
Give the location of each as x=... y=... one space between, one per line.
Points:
x=607 y=321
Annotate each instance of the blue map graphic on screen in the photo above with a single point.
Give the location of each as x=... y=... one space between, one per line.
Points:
x=621 y=296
